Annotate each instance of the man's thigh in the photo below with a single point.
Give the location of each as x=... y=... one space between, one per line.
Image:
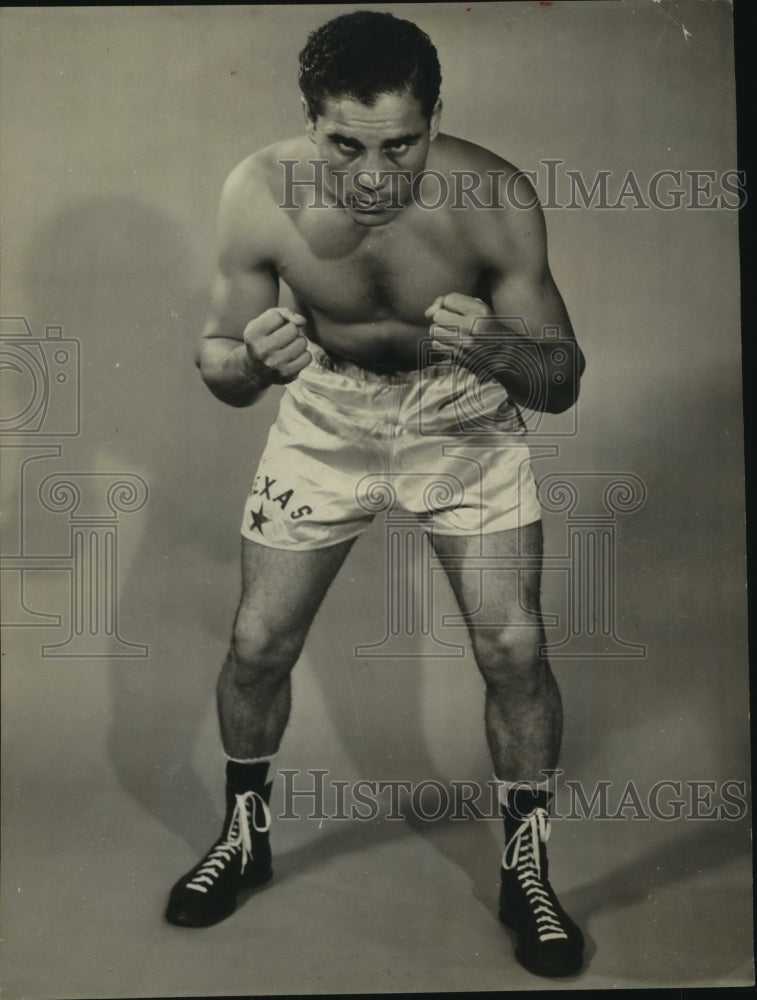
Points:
x=507 y=591
x=284 y=589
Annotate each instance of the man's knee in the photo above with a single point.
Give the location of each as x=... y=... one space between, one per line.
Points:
x=262 y=648
x=509 y=655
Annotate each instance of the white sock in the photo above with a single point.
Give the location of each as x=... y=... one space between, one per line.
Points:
x=252 y=760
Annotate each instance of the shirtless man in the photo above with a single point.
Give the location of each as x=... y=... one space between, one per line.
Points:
x=341 y=215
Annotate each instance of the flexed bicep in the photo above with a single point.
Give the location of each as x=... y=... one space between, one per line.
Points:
x=238 y=296
x=248 y=341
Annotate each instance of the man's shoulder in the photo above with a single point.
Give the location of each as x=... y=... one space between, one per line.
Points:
x=502 y=219
x=450 y=153
x=260 y=176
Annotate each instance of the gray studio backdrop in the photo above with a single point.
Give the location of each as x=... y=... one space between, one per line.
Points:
x=119 y=127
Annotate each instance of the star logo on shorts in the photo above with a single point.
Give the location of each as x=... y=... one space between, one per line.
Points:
x=258 y=519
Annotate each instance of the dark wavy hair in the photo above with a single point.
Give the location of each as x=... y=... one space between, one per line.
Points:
x=364 y=54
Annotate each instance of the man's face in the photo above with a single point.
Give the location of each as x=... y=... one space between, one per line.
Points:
x=372 y=152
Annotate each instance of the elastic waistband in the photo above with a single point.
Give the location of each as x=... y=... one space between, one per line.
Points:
x=350 y=370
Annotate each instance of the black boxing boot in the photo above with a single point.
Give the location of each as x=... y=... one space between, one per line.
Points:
x=549 y=943
x=239 y=859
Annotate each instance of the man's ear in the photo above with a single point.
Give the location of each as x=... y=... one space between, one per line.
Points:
x=309 y=121
x=436 y=115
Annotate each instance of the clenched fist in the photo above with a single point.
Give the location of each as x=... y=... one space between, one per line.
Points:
x=457 y=323
x=277 y=349
x=454 y=319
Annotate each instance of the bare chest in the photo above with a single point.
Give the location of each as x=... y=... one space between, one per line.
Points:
x=393 y=272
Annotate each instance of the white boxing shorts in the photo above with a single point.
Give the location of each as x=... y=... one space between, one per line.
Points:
x=349 y=443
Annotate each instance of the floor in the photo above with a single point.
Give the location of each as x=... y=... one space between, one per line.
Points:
x=112 y=789
x=358 y=908
x=355 y=906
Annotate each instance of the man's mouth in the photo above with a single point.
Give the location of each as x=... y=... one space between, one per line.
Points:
x=371 y=204
x=368 y=205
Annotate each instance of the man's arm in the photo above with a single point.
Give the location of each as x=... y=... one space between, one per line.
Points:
x=540 y=372
x=248 y=342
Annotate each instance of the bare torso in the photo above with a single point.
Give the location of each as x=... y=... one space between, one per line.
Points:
x=364 y=290
x=369 y=287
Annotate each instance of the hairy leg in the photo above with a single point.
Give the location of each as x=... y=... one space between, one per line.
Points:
x=502 y=609
x=281 y=592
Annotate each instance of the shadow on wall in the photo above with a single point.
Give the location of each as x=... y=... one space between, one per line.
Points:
x=116 y=274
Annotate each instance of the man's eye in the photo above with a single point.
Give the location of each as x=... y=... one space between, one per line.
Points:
x=343 y=147
x=398 y=149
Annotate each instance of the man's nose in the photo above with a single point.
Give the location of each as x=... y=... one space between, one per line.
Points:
x=375 y=173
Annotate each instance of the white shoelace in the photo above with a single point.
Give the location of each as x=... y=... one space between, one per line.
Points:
x=238 y=837
x=522 y=853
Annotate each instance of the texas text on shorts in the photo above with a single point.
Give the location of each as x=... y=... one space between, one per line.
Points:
x=394 y=357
